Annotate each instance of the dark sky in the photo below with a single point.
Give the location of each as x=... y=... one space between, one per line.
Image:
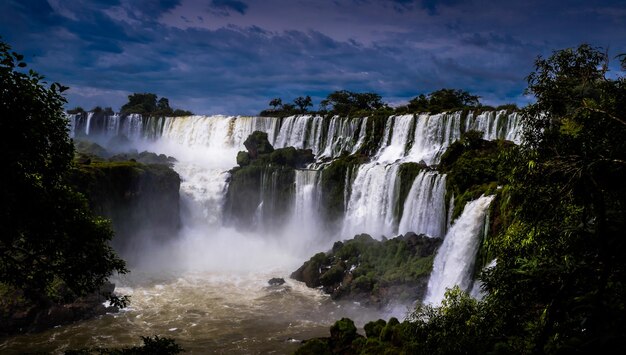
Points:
x=233 y=56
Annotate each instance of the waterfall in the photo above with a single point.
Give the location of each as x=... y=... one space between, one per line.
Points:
x=340 y=136
x=455 y=258
x=497 y=125
x=89 y=117
x=371 y=195
x=397 y=135
x=409 y=138
x=433 y=134
x=362 y=135
x=306 y=198
x=305 y=219
x=373 y=202
x=424 y=208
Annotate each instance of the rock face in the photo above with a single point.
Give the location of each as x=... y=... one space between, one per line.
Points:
x=372 y=271
x=142 y=200
x=17 y=315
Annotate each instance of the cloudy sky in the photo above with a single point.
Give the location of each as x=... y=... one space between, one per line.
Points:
x=233 y=56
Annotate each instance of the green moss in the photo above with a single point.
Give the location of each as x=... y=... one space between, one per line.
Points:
x=473 y=167
x=316 y=346
x=131 y=194
x=365 y=266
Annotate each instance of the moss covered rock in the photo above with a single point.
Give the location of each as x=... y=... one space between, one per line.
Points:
x=373 y=271
x=473 y=166
x=142 y=200
x=260 y=190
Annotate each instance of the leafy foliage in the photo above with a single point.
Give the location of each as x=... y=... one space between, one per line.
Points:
x=474 y=167
x=344 y=102
x=300 y=105
x=151 y=346
x=46 y=228
x=373 y=270
x=147 y=104
x=563 y=288
x=442 y=100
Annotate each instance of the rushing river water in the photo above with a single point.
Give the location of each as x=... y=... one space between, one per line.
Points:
x=234 y=313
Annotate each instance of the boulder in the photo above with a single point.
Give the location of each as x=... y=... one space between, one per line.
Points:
x=276 y=281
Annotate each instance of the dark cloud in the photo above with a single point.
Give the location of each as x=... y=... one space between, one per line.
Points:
x=433 y=5
x=105 y=50
x=229 y=5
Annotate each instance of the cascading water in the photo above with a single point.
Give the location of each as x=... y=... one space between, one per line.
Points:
x=496 y=125
x=455 y=258
x=397 y=135
x=433 y=133
x=425 y=209
x=218 y=275
x=305 y=219
x=373 y=203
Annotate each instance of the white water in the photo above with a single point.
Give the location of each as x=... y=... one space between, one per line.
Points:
x=208 y=287
x=455 y=258
x=395 y=140
x=497 y=125
x=425 y=209
x=372 y=206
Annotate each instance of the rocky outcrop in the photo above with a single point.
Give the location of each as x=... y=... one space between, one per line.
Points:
x=372 y=271
x=264 y=175
x=142 y=200
x=19 y=315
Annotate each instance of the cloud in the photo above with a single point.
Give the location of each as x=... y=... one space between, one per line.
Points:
x=105 y=50
x=225 y=6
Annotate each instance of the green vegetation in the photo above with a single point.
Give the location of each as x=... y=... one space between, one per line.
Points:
x=135 y=196
x=342 y=103
x=347 y=103
x=47 y=232
x=374 y=271
x=474 y=167
x=300 y=105
x=147 y=104
x=442 y=100
x=558 y=284
x=76 y=110
x=151 y=346
x=453 y=328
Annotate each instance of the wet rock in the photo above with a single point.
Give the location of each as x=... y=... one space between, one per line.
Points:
x=18 y=315
x=371 y=271
x=276 y=281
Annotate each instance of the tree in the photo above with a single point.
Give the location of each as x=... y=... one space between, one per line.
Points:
x=47 y=233
x=559 y=283
x=443 y=100
x=140 y=103
x=163 y=105
x=275 y=103
x=345 y=102
x=303 y=103
x=76 y=110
